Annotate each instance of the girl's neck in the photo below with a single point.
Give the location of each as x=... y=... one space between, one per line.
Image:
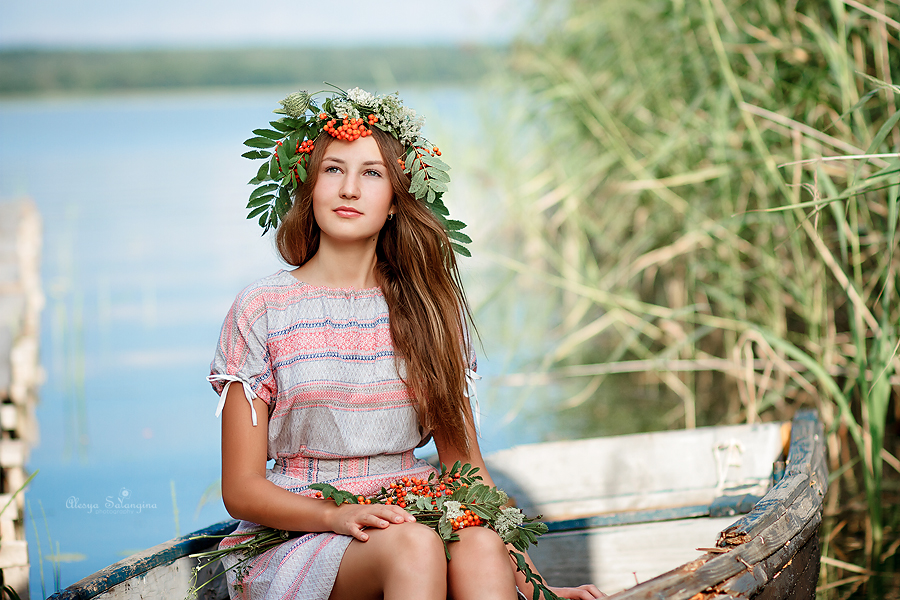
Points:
x=343 y=266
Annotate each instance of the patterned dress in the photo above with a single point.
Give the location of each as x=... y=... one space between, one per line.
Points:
x=322 y=360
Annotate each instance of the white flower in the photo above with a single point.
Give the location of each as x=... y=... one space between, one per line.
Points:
x=452 y=509
x=507 y=521
x=362 y=98
x=343 y=107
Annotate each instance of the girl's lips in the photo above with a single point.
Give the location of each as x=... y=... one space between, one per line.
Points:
x=347 y=211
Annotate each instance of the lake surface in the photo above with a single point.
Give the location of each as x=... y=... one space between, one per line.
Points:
x=145 y=247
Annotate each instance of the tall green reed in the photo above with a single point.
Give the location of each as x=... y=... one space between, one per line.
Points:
x=715 y=195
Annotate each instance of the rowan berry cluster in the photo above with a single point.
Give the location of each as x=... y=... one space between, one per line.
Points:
x=398 y=491
x=467 y=519
x=305 y=147
x=349 y=129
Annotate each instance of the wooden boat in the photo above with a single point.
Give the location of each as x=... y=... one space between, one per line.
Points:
x=644 y=516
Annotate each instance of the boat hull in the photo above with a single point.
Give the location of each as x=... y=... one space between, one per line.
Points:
x=622 y=517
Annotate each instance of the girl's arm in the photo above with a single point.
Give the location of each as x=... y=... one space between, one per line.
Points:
x=449 y=454
x=248 y=495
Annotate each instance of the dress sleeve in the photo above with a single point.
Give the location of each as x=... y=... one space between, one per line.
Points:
x=242 y=355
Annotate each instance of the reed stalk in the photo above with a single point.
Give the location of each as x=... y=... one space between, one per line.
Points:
x=715 y=198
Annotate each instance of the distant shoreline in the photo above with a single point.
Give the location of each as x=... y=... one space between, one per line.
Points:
x=28 y=72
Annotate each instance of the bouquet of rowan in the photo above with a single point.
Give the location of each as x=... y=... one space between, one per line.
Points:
x=447 y=503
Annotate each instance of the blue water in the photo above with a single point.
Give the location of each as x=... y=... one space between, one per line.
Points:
x=145 y=246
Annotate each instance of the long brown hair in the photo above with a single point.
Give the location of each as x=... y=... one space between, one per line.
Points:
x=417 y=271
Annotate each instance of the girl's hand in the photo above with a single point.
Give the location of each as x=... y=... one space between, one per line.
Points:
x=351 y=519
x=582 y=592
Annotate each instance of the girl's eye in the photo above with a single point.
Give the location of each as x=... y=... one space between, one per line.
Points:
x=373 y=172
x=332 y=169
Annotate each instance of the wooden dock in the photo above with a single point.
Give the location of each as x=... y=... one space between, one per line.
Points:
x=21 y=301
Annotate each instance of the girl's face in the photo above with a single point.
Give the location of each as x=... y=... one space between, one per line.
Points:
x=353 y=195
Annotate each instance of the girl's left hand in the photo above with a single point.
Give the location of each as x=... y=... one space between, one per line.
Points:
x=582 y=592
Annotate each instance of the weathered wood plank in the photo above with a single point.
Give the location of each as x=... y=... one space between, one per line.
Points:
x=767 y=511
x=806 y=466
x=171 y=581
x=637 y=472
x=761 y=575
x=12 y=453
x=11 y=512
x=629 y=518
x=616 y=558
x=762 y=542
x=141 y=563
x=766 y=543
x=797 y=579
x=9 y=416
x=13 y=553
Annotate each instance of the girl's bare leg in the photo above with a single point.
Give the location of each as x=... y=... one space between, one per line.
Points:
x=404 y=561
x=480 y=567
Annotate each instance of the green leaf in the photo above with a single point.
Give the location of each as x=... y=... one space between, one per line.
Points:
x=281 y=126
x=283 y=156
x=437 y=164
x=434 y=161
x=273 y=168
x=260 y=200
x=301 y=172
x=437 y=186
x=459 y=236
x=481 y=511
x=263 y=189
x=418 y=186
x=259 y=142
x=268 y=133
x=438 y=208
x=290 y=144
x=254 y=154
x=438 y=174
x=418 y=178
x=262 y=174
x=283 y=204
x=461 y=250
x=454 y=225
x=263 y=219
x=258 y=210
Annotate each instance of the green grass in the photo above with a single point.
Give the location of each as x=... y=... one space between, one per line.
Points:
x=715 y=196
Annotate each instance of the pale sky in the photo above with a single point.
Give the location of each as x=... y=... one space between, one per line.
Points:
x=149 y=23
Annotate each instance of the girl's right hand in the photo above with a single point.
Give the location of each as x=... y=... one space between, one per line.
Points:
x=351 y=519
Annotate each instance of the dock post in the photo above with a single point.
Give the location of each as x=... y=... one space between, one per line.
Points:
x=21 y=301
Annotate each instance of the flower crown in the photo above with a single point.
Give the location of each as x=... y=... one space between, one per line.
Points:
x=346 y=116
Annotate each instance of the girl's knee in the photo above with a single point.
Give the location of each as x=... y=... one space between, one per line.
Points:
x=417 y=543
x=481 y=542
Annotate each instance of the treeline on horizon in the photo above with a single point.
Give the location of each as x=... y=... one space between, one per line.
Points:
x=27 y=72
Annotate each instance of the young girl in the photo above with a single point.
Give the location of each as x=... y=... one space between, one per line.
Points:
x=349 y=362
